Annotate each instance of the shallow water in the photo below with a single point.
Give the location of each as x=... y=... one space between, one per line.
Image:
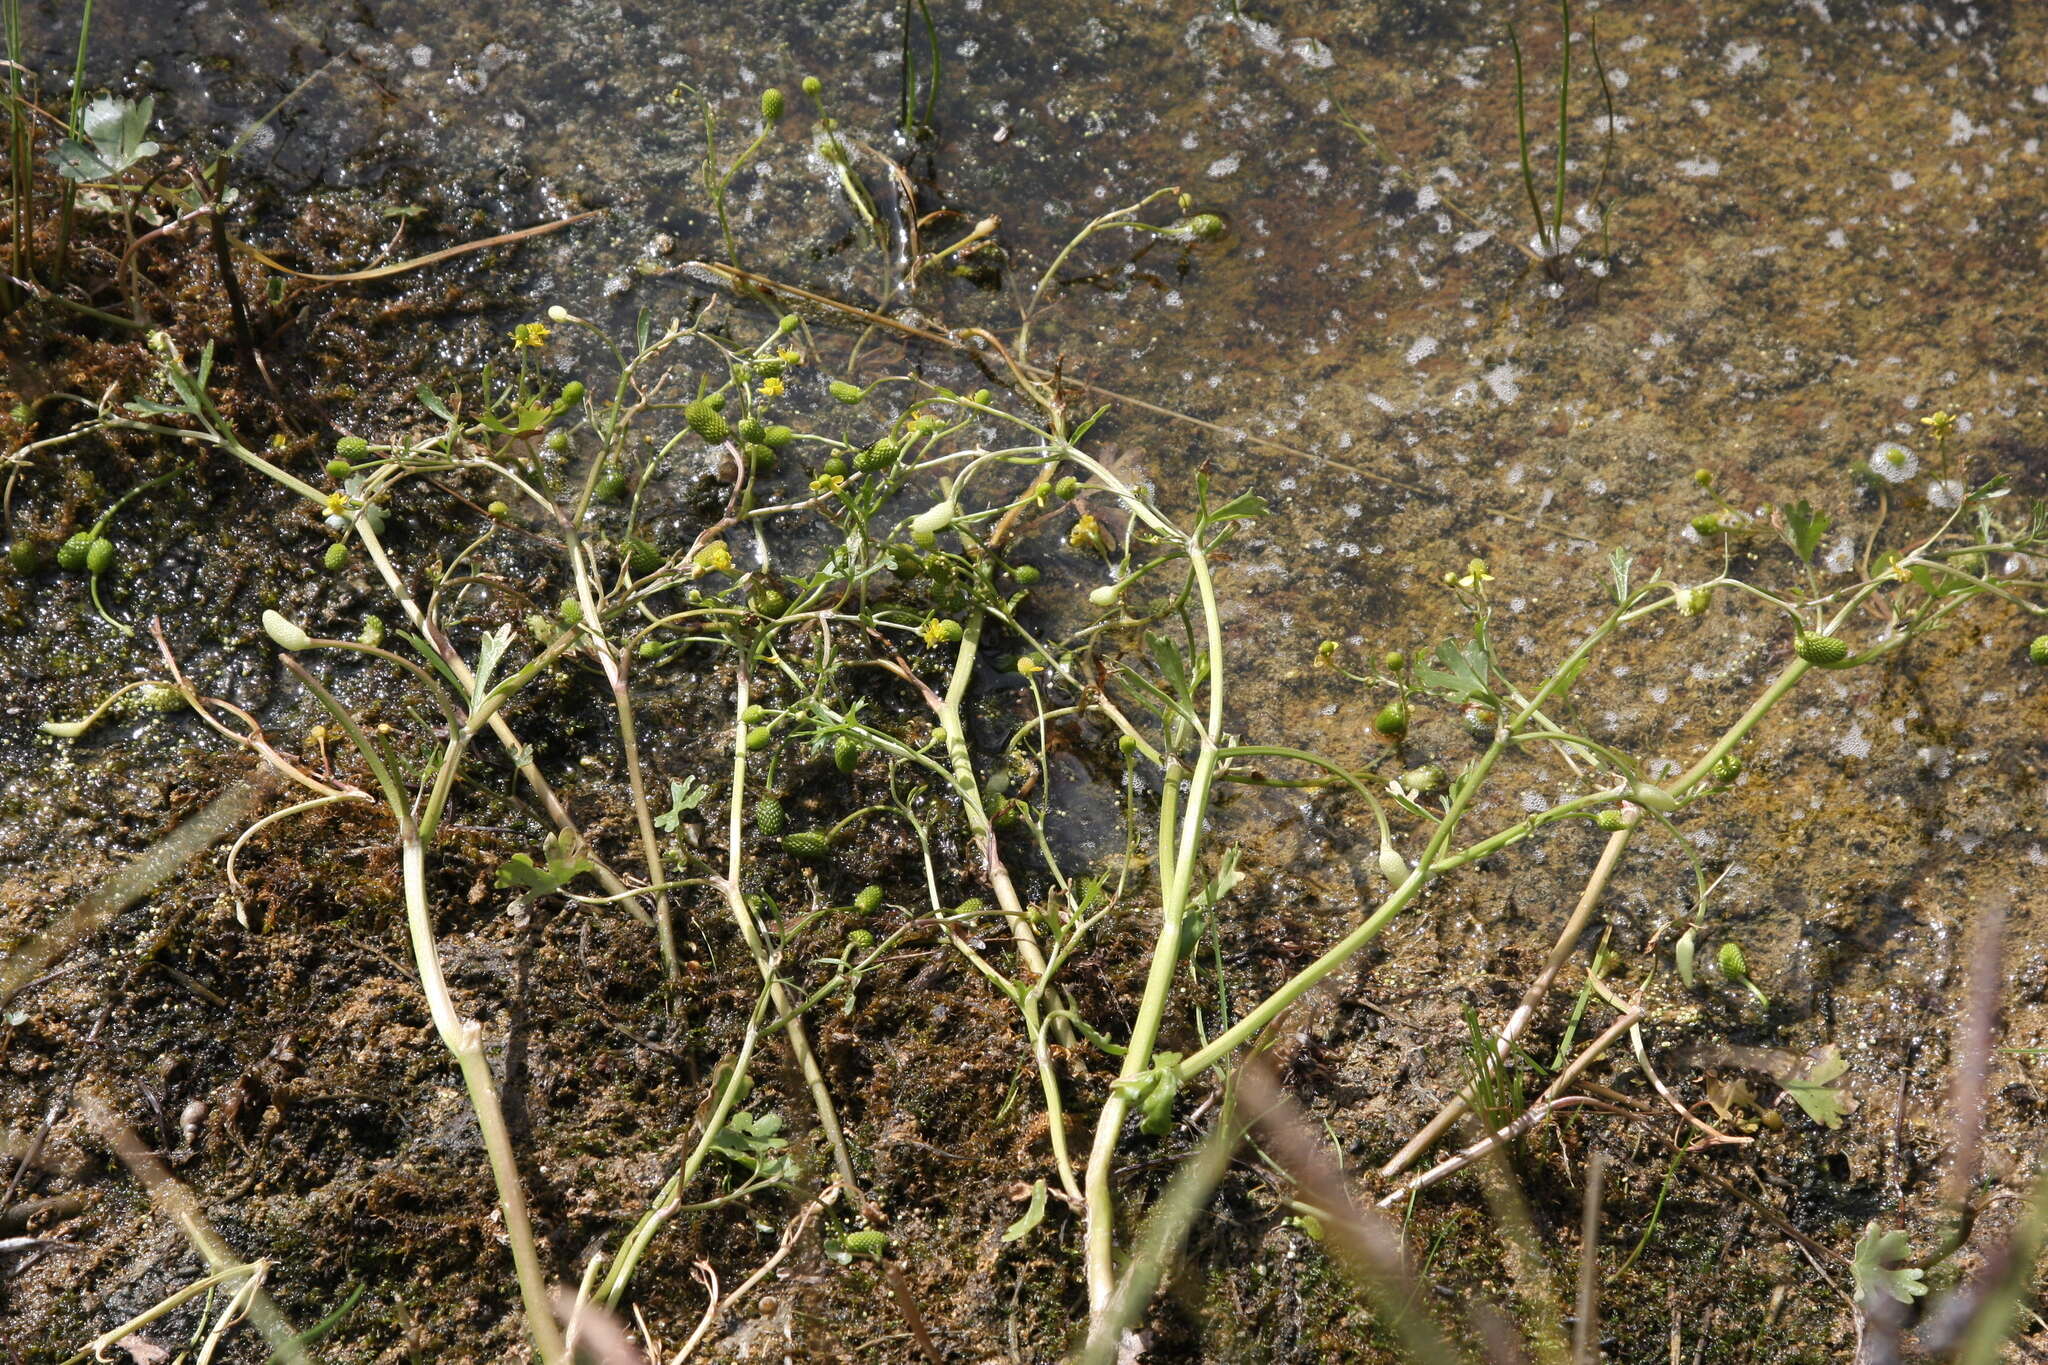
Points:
x=1824 y=224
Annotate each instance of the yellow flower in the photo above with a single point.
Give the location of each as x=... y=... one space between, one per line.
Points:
x=828 y=483
x=337 y=504
x=1475 y=574
x=1028 y=665
x=713 y=558
x=771 y=387
x=530 y=336
x=935 y=630
x=1089 y=535
x=1940 y=421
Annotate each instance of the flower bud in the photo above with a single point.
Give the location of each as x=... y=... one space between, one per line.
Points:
x=812 y=85
x=1392 y=721
x=935 y=518
x=1392 y=865
x=1652 y=797
x=287 y=636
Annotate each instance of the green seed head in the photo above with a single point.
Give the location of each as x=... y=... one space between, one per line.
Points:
x=1205 y=227
x=22 y=555
x=571 y=612
x=352 y=448
x=1731 y=961
x=1392 y=721
x=336 y=558
x=1693 y=601
x=1393 y=661
x=557 y=442
x=769 y=817
x=759 y=738
x=776 y=437
x=338 y=468
x=846 y=752
x=611 y=483
x=99 y=556
x=808 y=844
x=1611 y=820
x=1026 y=575
x=788 y=323
x=1703 y=477
x=1708 y=524
x=1822 y=651
x=860 y=940
x=572 y=394
x=71 y=555
x=498 y=510
x=812 y=85
x=1067 y=488
x=1127 y=745
x=750 y=429
x=706 y=421
x=845 y=392
x=771 y=105
x=868 y=900
x=2038 y=650
x=1727 y=768
x=372 y=633
x=642 y=557
x=834 y=468
x=867 y=1242
x=754 y=714
x=879 y=456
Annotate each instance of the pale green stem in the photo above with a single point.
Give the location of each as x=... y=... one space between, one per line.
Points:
x=1100 y=1239
x=464 y=1038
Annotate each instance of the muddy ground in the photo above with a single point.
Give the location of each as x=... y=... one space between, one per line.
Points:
x=1826 y=221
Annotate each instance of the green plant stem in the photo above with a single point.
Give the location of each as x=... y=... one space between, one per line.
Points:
x=464 y=1038
x=1180 y=852
x=1031 y=1003
x=1564 y=92
x=750 y=932
x=1522 y=143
